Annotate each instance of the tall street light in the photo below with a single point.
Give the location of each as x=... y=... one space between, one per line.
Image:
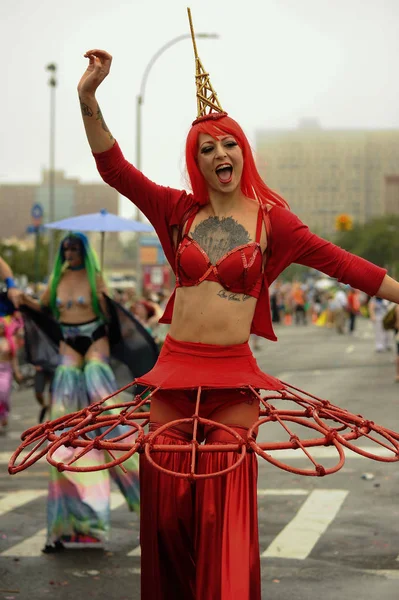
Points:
x=52 y=68
x=139 y=104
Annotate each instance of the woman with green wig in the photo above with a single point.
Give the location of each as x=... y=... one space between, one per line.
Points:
x=78 y=508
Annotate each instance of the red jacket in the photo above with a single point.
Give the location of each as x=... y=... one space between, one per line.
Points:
x=290 y=240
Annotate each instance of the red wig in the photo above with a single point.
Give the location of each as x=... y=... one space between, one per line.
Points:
x=252 y=185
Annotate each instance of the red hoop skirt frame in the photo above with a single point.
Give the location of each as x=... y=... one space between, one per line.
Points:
x=201 y=368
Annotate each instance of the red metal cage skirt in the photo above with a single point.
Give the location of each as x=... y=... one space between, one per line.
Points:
x=199 y=369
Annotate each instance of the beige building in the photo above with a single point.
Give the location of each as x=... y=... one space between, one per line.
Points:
x=325 y=172
x=71 y=198
x=391 y=194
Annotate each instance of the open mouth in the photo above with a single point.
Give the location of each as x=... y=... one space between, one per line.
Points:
x=224 y=173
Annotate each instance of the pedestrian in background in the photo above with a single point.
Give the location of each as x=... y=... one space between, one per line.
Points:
x=43 y=381
x=8 y=368
x=340 y=310
x=299 y=301
x=353 y=302
x=13 y=293
x=377 y=310
x=78 y=505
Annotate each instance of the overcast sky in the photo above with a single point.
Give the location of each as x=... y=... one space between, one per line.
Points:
x=276 y=62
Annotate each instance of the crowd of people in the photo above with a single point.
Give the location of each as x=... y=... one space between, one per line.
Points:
x=293 y=303
x=330 y=304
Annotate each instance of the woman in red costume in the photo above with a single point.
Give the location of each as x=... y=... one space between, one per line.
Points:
x=227 y=241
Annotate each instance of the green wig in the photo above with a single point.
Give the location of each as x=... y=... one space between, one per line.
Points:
x=92 y=267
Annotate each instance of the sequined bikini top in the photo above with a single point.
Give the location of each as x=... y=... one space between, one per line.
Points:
x=80 y=301
x=239 y=271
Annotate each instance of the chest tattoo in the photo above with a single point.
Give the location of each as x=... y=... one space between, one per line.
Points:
x=218 y=236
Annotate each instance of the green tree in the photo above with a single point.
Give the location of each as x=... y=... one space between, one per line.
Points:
x=23 y=261
x=377 y=241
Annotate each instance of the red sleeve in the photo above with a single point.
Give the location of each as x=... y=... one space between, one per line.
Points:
x=155 y=201
x=298 y=244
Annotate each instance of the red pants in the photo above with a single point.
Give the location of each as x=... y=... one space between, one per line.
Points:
x=199 y=540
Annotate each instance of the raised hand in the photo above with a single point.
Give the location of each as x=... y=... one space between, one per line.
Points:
x=16 y=296
x=99 y=67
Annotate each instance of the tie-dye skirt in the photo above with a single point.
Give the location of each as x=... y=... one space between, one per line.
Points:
x=78 y=508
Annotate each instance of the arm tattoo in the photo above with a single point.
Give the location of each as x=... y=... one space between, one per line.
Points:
x=86 y=110
x=100 y=118
x=232 y=297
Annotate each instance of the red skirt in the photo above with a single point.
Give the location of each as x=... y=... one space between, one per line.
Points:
x=189 y=365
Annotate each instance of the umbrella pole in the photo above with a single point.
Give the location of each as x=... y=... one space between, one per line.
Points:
x=102 y=250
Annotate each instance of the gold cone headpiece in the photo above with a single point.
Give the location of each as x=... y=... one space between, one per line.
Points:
x=208 y=105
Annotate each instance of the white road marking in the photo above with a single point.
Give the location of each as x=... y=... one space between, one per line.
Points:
x=5 y=457
x=299 y=537
x=15 y=417
x=327 y=452
x=367 y=335
x=32 y=545
x=317 y=452
x=13 y=435
x=288 y=492
x=349 y=349
x=117 y=500
x=19 y=498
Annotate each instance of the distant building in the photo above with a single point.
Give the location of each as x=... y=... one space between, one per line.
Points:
x=71 y=198
x=326 y=172
x=392 y=194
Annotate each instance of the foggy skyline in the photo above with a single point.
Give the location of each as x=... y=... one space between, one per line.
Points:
x=276 y=62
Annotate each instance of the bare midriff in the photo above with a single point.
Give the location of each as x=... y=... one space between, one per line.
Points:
x=211 y=315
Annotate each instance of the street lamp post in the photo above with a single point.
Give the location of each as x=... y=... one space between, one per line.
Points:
x=52 y=67
x=139 y=104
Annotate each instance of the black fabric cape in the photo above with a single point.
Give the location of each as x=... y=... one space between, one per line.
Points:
x=130 y=343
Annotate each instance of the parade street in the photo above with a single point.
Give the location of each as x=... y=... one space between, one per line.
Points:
x=327 y=538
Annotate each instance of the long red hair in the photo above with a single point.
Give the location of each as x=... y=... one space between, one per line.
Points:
x=252 y=185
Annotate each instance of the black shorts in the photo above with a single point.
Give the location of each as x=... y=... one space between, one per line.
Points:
x=43 y=378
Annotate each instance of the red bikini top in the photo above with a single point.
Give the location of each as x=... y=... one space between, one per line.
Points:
x=239 y=271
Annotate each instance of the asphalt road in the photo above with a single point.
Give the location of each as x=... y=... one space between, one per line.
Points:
x=327 y=538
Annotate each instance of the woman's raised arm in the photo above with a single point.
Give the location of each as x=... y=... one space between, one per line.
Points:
x=98 y=134
x=157 y=202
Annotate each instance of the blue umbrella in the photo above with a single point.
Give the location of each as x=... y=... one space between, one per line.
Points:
x=102 y=221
